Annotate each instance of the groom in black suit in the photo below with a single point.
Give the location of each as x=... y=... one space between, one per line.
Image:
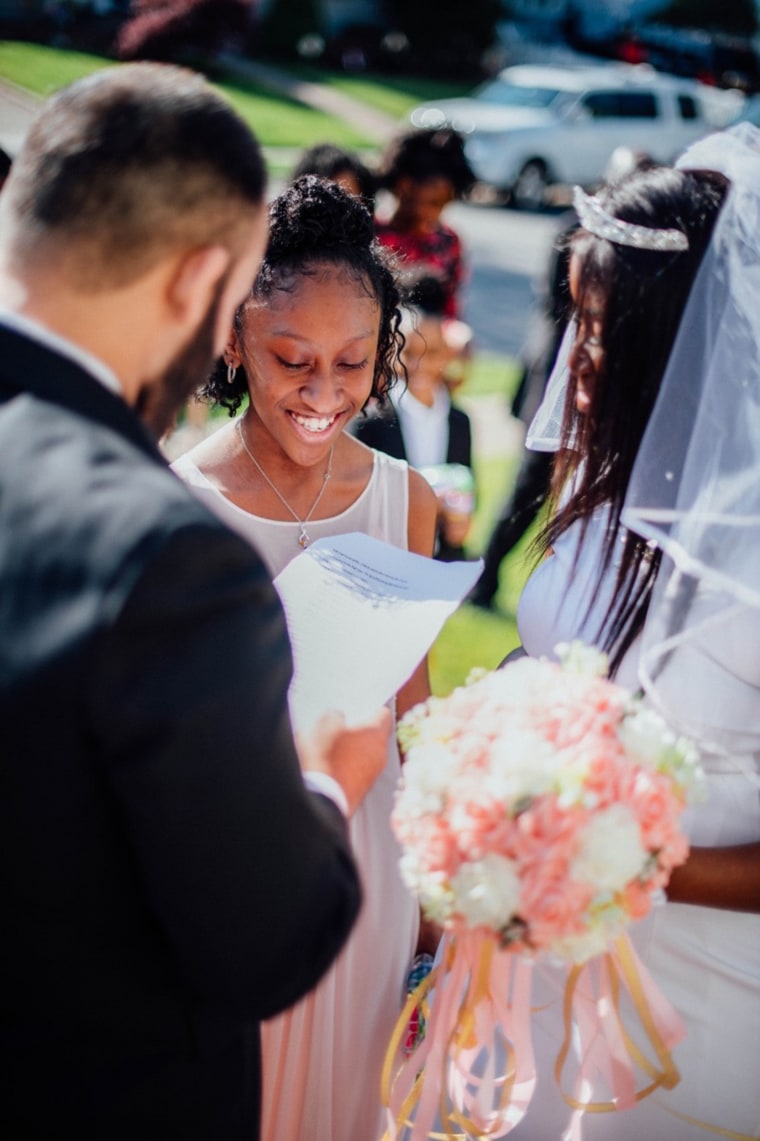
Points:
x=168 y=875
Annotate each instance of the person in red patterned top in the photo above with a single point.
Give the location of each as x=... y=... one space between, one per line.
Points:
x=425 y=170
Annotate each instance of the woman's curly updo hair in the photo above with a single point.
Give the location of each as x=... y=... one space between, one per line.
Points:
x=313 y=223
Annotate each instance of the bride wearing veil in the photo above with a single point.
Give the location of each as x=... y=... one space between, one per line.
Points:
x=654 y=555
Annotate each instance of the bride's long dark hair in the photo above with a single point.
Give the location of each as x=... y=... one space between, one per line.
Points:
x=645 y=293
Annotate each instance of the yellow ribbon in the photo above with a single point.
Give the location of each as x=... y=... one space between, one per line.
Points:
x=665 y=1075
x=463 y=1036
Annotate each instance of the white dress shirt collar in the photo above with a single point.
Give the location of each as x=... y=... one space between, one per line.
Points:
x=425 y=429
x=29 y=327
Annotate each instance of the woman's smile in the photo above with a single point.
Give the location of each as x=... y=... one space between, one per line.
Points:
x=314 y=425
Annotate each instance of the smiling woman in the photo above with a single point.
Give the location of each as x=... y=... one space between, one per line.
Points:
x=315 y=339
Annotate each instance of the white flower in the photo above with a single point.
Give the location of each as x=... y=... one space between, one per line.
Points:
x=437 y=900
x=522 y=765
x=649 y=741
x=611 y=853
x=578 y=658
x=427 y=777
x=579 y=948
x=487 y=891
x=645 y=737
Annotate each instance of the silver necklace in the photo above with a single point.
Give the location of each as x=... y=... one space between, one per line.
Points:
x=303 y=538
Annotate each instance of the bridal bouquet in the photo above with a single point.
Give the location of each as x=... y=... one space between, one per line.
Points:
x=538 y=815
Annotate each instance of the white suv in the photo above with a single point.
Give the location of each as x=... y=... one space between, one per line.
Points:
x=533 y=126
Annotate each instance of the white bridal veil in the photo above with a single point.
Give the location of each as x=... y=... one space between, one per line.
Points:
x=695 y=487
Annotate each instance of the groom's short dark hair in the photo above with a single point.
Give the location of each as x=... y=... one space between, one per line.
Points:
x=126 y=165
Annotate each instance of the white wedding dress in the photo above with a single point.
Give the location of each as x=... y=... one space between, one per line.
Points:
x=322 y=1059
x=705 y=961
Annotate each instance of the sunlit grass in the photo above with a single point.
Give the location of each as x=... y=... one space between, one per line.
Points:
x=281 y=122
x=395 y=95
x=276 y=121
x=42 y=69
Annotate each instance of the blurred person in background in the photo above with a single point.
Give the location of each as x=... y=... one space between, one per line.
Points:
x=338 y=165
x=426 y=170
x=420 y=424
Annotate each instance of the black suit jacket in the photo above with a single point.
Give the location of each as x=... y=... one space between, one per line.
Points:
x=166 y=879
x=382 y=430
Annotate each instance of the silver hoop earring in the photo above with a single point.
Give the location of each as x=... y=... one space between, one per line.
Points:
x=231 y=373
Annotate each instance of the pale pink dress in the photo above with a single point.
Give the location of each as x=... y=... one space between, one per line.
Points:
x=322 y=1059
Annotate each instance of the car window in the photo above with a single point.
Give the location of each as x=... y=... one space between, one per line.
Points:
x=504 y=94
x=688 y=107
x=620 y=104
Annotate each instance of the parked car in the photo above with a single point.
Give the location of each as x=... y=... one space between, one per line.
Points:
x=750 y=112
x=534 y=126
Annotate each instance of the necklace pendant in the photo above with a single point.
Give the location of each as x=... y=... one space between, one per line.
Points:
x=303 y=538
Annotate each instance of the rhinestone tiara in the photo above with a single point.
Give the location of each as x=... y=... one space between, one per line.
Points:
x=597 y=221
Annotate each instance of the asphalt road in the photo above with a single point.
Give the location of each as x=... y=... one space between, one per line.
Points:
x=507 y=252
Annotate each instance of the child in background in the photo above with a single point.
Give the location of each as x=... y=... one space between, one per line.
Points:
x=331 y=162
x=420 y=424
x=425 y=171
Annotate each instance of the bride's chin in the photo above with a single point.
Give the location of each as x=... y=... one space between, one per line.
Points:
x=582 y=402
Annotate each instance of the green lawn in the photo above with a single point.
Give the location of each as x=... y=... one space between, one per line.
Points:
x=396 y=95
x=43 y=69
x=472 y=637
x=277 y=122
x=280 y=122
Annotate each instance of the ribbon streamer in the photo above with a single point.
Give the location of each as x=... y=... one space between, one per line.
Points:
x=473 y=1075
x=474 y=1070
x=593 y=1010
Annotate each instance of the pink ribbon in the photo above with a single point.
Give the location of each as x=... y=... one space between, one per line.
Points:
x=474 y=1072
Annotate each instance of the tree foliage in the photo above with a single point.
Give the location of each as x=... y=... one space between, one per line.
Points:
x=448 y=34
x=166 y=29
x=739 y=17
x=284 y=24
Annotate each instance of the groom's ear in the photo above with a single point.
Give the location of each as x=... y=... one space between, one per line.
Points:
x=192 y=285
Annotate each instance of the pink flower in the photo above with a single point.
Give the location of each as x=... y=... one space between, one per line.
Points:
x=481 y=826
x=435 y=844
x=636 y=900
x=602 y=779
x=553 y=909
x=651 y=797
x=546 y=831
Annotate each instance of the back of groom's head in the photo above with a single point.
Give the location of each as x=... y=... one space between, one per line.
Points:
x=124 y=167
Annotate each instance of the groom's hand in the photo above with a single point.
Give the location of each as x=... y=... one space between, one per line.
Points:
x=354 y=755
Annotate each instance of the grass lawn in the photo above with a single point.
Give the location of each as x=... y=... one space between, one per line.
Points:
x=396 y=95
x=472 y=637
x=277 y=122
x=43 y=69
